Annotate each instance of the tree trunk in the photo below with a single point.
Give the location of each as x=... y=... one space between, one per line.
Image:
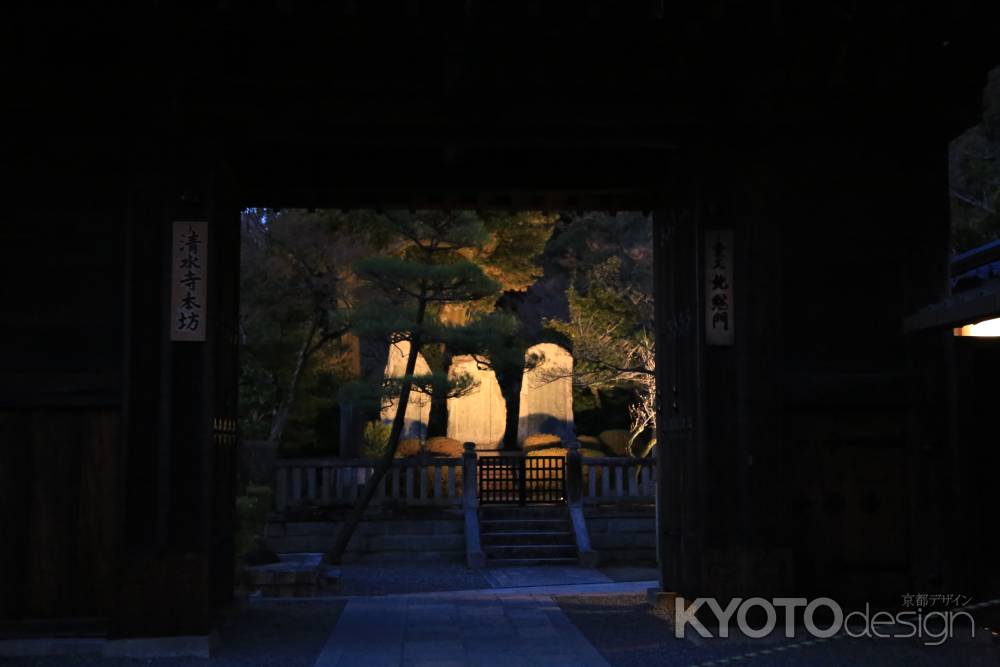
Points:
x=596 y=393
x=350 y=524
x=437 y=421
x=510 y=388
x=285 y=408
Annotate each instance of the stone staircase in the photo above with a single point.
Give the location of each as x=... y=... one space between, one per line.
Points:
x=529 y=535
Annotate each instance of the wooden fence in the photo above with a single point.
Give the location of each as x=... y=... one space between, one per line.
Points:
x=438 y=482
x=416 y=481
x=618 y=479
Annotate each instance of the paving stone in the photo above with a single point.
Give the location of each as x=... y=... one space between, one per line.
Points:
x=451 y=649
x=433 y=631
x=469 y=629
x=537 y=632
x=494 y=659
x=504 y=632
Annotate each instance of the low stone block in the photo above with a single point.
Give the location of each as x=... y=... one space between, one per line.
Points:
x=296 y=575
x=297 y=528
x=645 y=540
x=421 y=542
x=196 y=646
x=449 y=527
x=22 y=648
x=597 y=525
x=603 y=541
x=630 y=525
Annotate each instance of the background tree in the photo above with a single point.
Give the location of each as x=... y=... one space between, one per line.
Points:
x=610 y=317
x=296 y=292
x=429 y=273
x=974 y=176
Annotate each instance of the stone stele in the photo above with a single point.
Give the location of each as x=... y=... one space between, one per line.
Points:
x=547 y=394
x=479 y=416
x=418 y=408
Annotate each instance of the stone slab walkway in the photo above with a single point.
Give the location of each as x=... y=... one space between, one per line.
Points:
x=481 y=628
x=546 y=575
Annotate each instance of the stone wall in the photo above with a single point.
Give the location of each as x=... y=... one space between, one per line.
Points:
x=438 y=538
x=619 y=535
x=625 y=535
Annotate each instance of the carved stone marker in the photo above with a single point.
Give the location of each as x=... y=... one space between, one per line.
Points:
x=480 y=416
x=547 y=394
x=418 y=408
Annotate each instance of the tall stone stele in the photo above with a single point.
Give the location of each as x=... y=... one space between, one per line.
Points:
x=547 y=394
x=418 y=408
x=479 y=416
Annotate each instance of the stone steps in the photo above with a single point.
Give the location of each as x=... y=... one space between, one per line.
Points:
x=520 y=562
x=512 y=537
x=528 y=535
x=522 y=525
x=555 y=511
x=529 y=551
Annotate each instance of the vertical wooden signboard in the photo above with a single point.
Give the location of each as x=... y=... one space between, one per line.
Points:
x=188 y=275
x=719 y=306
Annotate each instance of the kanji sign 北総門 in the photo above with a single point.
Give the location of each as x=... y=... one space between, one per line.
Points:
x=719 y=315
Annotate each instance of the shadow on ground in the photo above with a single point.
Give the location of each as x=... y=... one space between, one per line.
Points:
x=629 y=632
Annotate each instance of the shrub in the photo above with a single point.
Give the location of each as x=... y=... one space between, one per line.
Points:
x=616 y=441
x=540 y=440
x=408 y=447
x=446 y=447
x=375 y=439
x=561 y=451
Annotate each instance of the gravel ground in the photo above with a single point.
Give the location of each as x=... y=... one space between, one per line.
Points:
x=390 y=578
x=630 y=633
x=264 y=634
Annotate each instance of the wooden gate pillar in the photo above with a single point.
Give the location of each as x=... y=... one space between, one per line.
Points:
x=181 y=400
x=680 y=460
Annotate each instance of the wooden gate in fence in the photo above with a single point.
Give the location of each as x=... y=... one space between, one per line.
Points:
x=521 y=480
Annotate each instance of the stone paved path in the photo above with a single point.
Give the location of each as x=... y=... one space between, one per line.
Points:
x=543 y=575
x=478 y=628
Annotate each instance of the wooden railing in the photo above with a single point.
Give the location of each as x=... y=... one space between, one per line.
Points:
x=443 y=482
x=416 y=481
x=618 y=479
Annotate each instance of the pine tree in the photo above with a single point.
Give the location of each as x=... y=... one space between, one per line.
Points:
x=295 y=290
x=510 y=254
x=428 y=273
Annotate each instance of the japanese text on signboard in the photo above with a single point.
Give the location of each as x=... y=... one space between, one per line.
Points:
x=719 y=315
x=188 y=275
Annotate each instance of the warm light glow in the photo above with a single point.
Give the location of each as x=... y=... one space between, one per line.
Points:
x=986 y=328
